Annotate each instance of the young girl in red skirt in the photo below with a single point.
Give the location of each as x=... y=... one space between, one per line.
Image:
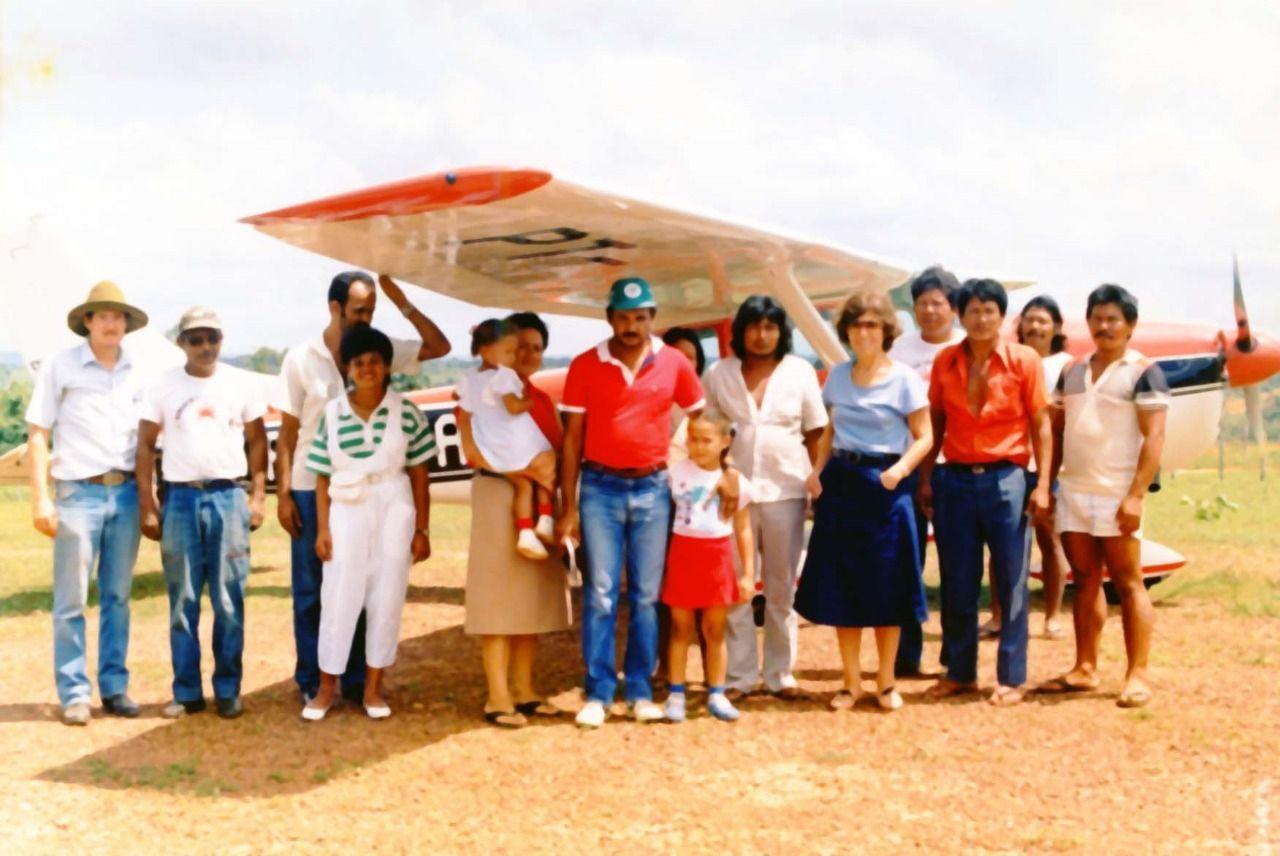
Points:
x=701 y=567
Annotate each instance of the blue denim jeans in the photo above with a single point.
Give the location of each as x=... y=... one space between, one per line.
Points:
x=307 y=574
x=624 y=521
x=96 y=524
x=970 y=510
x=205 y=540
x=911 y=642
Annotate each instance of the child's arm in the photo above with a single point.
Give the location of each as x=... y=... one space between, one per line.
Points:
x=324 y=538
x=746 y=552
x=516 y=405
x=470 y=450
x=420 y=482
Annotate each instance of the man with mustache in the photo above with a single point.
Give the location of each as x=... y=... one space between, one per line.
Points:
x=207 y=412
x=311 y=375
x=617 y=404
x=1109 y=411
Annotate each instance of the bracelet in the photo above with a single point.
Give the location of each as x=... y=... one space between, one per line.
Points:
x=408 y=310
x=423 y=532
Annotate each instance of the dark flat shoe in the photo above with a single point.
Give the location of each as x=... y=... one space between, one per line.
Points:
x=537 y=707
x=121 y=705
x=230 y=708
x=505 y=718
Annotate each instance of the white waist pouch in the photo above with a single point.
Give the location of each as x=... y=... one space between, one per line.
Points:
x=347 y=486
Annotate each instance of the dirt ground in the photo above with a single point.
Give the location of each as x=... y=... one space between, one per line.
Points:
x=1197 y=771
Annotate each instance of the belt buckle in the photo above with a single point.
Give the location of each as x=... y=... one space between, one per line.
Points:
x=202 y=484
x=112 y=478
x=978 y=469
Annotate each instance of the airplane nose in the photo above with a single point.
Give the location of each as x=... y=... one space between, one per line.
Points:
x=1257 y=365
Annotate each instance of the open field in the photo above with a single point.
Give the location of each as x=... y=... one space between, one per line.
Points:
x=1197 y=771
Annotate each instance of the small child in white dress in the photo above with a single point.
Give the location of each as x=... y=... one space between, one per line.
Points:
x=505 y=436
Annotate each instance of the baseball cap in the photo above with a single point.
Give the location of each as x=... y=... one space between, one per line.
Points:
x=199 y=318
x=631 y=292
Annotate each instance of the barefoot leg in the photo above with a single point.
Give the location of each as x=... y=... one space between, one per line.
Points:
x=714 y=620
x=495 y=654
x=373 y=695
x=850 y=641
x=1122 y=554
x=1089 y=612
x=678 y=650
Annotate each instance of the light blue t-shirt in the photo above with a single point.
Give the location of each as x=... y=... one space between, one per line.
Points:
x=874 y=418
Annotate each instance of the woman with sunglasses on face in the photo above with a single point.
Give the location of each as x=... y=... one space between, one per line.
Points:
x=863 y=564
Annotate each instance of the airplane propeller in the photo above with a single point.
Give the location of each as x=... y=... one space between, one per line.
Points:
x=1241 y=356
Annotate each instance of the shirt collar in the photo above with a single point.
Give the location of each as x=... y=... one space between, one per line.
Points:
x=85 y=355
x=1002 y=351
x=602 y=354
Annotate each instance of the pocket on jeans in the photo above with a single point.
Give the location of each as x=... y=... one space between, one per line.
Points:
x=70 y=493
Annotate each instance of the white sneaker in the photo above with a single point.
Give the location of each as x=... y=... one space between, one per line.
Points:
x=528 y=545
x=645 y=710
x=721 y=708
x=545 y=529
x=592 y=715
x=675 y=708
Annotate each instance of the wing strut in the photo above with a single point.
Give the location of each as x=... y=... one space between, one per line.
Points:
x=808 y=320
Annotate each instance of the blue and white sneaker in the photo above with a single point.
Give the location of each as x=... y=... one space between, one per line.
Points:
x=721 y=708
x=674 y=710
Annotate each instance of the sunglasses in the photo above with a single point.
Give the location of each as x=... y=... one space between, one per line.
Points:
x=864 y=325
x=198 y=340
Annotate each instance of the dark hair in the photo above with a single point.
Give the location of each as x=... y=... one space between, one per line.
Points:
x=684 y=334
x=869 y=303
x=1043 y=301
x=984 y=291
x=363 y=339
x=340 y=288
x=757 y=308
x=935 y=278
x=1108 y=293
x=529 y=321
x=609 y=310
x=489 y=331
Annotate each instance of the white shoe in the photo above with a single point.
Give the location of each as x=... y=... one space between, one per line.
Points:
x=645 y=710
x=314 y=714
x=545 y=529
x=592 y=715
x=528 y=545
x=377 y=711
x=888 y=699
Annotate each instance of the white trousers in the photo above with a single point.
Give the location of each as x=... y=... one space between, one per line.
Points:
x=370 y=572
x=779 y=532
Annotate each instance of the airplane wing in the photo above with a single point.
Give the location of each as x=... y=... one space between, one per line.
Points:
x=521 y=239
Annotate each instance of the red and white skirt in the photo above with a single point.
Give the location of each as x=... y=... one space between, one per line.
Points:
x=701 y=572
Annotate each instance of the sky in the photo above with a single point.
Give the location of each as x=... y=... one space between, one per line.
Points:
x=1070 y=143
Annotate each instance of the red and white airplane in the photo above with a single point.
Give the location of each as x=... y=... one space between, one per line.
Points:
x=520 y=239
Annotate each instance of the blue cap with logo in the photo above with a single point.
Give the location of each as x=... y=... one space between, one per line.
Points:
x=631 y=292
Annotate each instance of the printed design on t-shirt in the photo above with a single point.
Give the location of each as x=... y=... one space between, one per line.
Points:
x=697 y=506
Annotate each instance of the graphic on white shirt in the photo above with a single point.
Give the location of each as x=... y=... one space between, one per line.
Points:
x=202 y=422
x=693 y=490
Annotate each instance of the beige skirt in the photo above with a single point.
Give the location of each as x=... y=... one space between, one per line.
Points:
x=507 y=594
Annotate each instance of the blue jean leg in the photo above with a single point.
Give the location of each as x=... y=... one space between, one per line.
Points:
x=1007 y=535
x=306 y=575
x=96 y=525
x=623 y=521
x=911 y=643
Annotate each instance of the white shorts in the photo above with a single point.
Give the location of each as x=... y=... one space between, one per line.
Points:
x=1091 y=513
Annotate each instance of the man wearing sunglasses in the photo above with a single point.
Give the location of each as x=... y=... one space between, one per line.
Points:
x=207 y=412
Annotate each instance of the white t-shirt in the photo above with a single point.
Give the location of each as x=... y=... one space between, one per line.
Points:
x=912 y=349
x=693 y=490
x=508 y=441
x=202 y=420
x=309 y=379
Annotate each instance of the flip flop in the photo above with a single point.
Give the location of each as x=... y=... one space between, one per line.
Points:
x=505 y=718
x=1006 y=697
x=843 y=700
x=1140 y=697
x=1060 y=684
x=949 y=689
x=537 y=707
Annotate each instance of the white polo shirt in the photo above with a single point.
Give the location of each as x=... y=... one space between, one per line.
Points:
x=91 y=412
x=768 y=444
x=203 y=421
x=1101 y=438
x=309 y=378
x=912 y=349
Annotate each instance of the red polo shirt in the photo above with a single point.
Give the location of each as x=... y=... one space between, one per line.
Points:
x=1002 y=429
x=628 y=418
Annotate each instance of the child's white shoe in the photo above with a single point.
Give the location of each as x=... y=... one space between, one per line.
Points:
x=528 y=545
x=545 y=529
x=674 y=709
x=721 y=708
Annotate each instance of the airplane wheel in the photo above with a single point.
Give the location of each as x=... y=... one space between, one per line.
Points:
x=1113 y=597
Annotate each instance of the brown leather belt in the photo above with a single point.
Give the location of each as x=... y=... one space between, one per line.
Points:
x=207 y=484
x=111 y=478
x=978 y=469
x=625 y=472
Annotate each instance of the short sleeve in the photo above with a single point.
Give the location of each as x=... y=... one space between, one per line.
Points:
x=318 y=460
x=935 y=381
x=1033 y=394
x=421 y=438
x=832 y=390
x=1152 y=389
x=151 y=405
x=574 y=399
x=1060 y=387
x=289 y=391
x=914 y=394
x=813 y=409
x=688 y=391
x=255 y=404
x=42 y=411
x=404 y=356
x=507 y=382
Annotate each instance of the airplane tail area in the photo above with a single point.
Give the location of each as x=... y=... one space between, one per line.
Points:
x=14 y=466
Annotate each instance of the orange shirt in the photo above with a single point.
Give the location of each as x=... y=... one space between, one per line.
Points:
x=1002 y=429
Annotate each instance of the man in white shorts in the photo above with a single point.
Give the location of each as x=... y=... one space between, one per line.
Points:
x=1109 y=421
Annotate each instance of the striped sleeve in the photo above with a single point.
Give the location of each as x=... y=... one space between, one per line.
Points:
x=318 y=460
x=422 y=439
x=1152 y=388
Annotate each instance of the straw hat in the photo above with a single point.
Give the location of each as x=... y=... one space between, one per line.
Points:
x=106 y=295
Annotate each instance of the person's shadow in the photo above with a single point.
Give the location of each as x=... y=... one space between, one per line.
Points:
x=437 y=690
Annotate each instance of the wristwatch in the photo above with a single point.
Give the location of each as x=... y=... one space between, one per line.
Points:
x=424 y=532
x=408 y=309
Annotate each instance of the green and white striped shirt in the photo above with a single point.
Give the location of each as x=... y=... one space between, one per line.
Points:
x=359 y=439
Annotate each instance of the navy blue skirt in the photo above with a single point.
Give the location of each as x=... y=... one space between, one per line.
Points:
x=863 y=565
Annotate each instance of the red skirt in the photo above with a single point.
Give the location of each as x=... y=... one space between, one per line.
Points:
x=701 y=572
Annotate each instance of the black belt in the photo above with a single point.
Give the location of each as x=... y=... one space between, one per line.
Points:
x=625 y=472
x=866 y=459
x=207 y=484
x=111 y=478
x=979 y=469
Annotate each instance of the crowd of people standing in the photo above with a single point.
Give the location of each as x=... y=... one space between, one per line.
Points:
x=987 y=441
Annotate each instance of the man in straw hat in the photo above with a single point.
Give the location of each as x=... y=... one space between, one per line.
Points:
x=85 y=399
